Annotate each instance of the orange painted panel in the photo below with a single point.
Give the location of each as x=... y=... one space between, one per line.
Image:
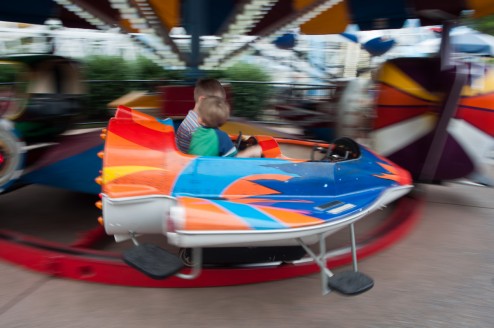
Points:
x=242 y=188
x=391 y=96
x=333 y=20
x=290 y=218
x=484 y=101
x=168 y=11
x=204 y=215
x=120 y=151
x=128 y=190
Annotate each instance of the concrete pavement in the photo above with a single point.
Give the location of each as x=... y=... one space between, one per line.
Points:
x=439 y=275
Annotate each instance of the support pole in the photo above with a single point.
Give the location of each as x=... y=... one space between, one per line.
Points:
x=354 y=247
x=196 y=265
x=440 y=136
x=196 y=11
x=445 y=48
x=320 y=260
x=449 y=105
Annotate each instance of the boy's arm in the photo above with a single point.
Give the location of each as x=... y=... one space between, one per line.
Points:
x=225 y=144
x=185 y=130
x=227 y=149
x=249 y=152
x=183 y=139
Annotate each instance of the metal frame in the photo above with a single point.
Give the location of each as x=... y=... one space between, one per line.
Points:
x=320 y=259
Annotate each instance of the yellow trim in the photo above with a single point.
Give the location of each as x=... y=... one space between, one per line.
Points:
x=393 y=76
x=115 y=172
x=487 y=83
x=137 y=99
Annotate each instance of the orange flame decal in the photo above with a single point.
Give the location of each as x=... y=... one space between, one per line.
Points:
x=395 y=173
x=247 y=186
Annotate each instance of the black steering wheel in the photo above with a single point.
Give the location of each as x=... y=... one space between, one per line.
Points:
x=345 y=148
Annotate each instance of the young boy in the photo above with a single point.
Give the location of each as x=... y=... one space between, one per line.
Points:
x=208 y=139
x=204 y=87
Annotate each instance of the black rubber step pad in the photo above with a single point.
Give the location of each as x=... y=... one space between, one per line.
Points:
x=350 y=283
x=153 y=261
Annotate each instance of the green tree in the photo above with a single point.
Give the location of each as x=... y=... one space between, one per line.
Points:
x=249 y=89
x=102 y=72
x=484 y=24
x=145 y=69
x=109 y=78
x=8 y=73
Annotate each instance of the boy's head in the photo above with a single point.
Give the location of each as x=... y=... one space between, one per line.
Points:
x=213 y=111
x=208 y=87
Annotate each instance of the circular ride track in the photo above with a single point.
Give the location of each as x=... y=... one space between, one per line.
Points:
x=55 y=232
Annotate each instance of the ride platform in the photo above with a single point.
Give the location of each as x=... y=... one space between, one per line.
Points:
x=55 y=232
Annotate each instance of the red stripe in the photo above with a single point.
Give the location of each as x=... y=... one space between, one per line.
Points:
x=390 y=115
x=394 y=106
x=481 y=119
x=139 y=134
x=123 y=113
x=268 y=144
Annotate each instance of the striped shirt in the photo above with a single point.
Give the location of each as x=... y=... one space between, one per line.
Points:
x=185 y=130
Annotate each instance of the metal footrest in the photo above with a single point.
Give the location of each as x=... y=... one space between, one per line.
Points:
x=350 y=283
x=153 y=261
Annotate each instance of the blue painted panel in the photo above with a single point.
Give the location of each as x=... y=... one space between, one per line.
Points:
x=76 y=173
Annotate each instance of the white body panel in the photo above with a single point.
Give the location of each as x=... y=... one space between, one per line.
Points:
x=139 y=215
x=149 y=215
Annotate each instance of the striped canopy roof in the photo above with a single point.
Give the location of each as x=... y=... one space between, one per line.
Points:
x=230 y=18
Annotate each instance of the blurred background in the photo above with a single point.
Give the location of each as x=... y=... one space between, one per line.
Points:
x=286 y=62
x=276 y=64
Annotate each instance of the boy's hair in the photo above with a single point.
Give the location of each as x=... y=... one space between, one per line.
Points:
x=214 y=111
x=208 y=87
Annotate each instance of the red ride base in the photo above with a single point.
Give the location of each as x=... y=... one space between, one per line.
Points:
x=79 y=262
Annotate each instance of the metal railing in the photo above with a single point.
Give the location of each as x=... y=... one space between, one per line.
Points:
x=101 y=92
